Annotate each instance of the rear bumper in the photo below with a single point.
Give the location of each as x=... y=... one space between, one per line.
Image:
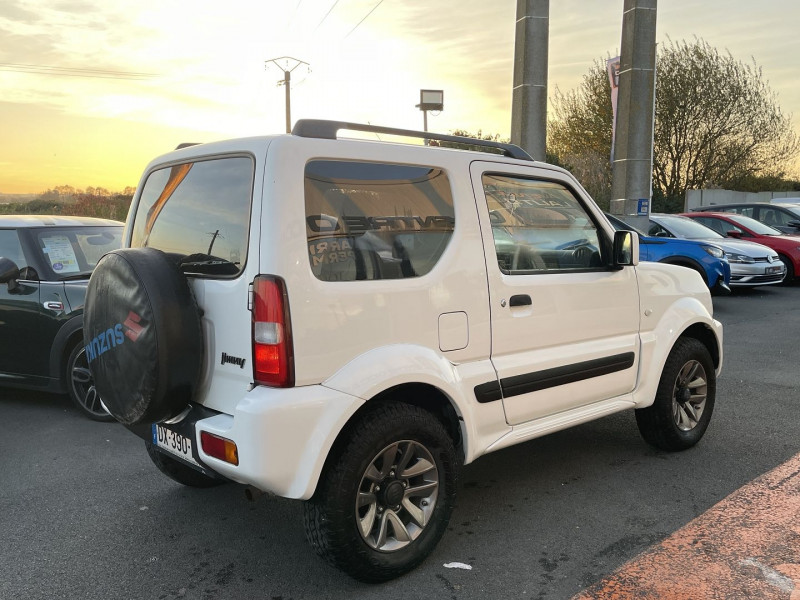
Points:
x=283 y=437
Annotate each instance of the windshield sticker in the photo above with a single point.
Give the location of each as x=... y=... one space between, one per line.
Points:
x=60 y=254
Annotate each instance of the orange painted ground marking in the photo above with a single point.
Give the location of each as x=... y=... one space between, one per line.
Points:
x=747 y=546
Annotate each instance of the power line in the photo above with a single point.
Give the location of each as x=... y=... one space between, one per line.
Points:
x=294 y=12
x=74 y=71
x=326 y=15
x=364 y=19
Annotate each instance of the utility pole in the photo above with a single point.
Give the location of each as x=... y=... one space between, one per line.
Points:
x=529 y=98
x=287 y=81
x=632 y=166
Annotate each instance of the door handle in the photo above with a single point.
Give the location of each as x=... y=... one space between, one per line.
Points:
x=520 y=300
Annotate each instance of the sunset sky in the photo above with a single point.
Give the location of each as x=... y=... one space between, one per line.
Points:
x=91 y=91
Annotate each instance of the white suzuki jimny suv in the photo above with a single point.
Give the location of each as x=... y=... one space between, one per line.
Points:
x=348 y=322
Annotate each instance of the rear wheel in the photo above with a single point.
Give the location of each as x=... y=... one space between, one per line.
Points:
x=179 y=472
x=81 y=388
x=385 y=497
x=684 y=401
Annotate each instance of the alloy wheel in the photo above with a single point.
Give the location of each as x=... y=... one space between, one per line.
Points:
x=83 y=388
x=689 y=395
x=397 y=496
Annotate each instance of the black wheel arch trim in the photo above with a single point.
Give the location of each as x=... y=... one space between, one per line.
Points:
x=61 y=343
x=688 y=263
x=535 y=381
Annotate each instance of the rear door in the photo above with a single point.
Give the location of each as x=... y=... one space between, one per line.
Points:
x=564 y=325
x=199 y=210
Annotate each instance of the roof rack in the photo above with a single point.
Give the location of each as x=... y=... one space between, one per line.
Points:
x=317 y=128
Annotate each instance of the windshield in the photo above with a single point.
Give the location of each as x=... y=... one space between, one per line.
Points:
x=755 y=226
x=683 y=227
x=72 y=252
x=795 y=210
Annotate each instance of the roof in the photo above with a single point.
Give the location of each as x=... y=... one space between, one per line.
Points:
x=25 y=221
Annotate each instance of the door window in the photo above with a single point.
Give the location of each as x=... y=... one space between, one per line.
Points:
x=774 y=217
x=540 y=226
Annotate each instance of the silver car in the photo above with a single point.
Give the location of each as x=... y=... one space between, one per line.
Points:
x=751 y=264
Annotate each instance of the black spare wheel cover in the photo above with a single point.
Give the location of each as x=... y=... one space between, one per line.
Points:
x=143 y=337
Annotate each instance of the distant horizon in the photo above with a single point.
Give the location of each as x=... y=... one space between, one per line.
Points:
x=96 y=95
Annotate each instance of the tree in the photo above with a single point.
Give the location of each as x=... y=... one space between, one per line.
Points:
x=580 y=135
x=717 y=124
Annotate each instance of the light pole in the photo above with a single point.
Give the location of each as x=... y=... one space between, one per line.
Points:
x=429 y=100
x=287 y=79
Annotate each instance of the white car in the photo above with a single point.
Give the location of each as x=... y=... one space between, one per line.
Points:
x=348 y=322
x=751 y=263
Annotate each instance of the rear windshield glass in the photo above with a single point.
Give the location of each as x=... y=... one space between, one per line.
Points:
x=199 y=211
x=374 y=220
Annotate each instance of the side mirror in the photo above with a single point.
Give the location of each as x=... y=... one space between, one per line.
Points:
x=625 y=250
x=734 y=233
x=9 y=273
x=795 y=224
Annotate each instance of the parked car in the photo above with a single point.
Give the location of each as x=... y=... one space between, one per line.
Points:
x=782 y=213
x=347 y=322
x=741 y=227
x=707 y=259
x=752 y=264
x=45 y=263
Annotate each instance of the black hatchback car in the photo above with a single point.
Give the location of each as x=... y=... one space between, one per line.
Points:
x=782 y=215
x=45 y=264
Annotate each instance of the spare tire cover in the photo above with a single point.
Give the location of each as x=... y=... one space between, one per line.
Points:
x=143 y=336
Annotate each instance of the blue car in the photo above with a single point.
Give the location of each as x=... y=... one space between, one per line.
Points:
x=707 y=259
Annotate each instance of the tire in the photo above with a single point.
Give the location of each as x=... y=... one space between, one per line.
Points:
x=678 y=418
x=143 y=335
x=789 y=278
x=81 y=388
x=372 y=515
x=179 y=472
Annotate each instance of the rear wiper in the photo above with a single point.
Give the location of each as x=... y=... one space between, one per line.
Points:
x=207 y=264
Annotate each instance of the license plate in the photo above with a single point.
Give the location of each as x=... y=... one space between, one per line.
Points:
x=771 y=270
x=174 y=443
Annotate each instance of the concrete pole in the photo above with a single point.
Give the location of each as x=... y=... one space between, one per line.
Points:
x=287 y=81
x=632 y=167
x=529 y=98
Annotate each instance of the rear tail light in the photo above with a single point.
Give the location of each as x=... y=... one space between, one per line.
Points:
x=273 y=355
x=219 y=447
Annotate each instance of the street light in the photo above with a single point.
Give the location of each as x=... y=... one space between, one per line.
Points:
x=429 y=100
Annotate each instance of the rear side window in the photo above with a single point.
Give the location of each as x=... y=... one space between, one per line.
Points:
x=368 y=221
x=200 y=211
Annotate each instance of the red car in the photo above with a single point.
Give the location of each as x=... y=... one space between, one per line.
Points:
x=745 y=228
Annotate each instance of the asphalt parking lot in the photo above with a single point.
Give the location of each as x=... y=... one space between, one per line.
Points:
x=84 y=514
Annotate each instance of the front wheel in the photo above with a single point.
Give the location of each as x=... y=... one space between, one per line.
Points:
x=81 y=388
x=386 y=496
x=680 y=414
